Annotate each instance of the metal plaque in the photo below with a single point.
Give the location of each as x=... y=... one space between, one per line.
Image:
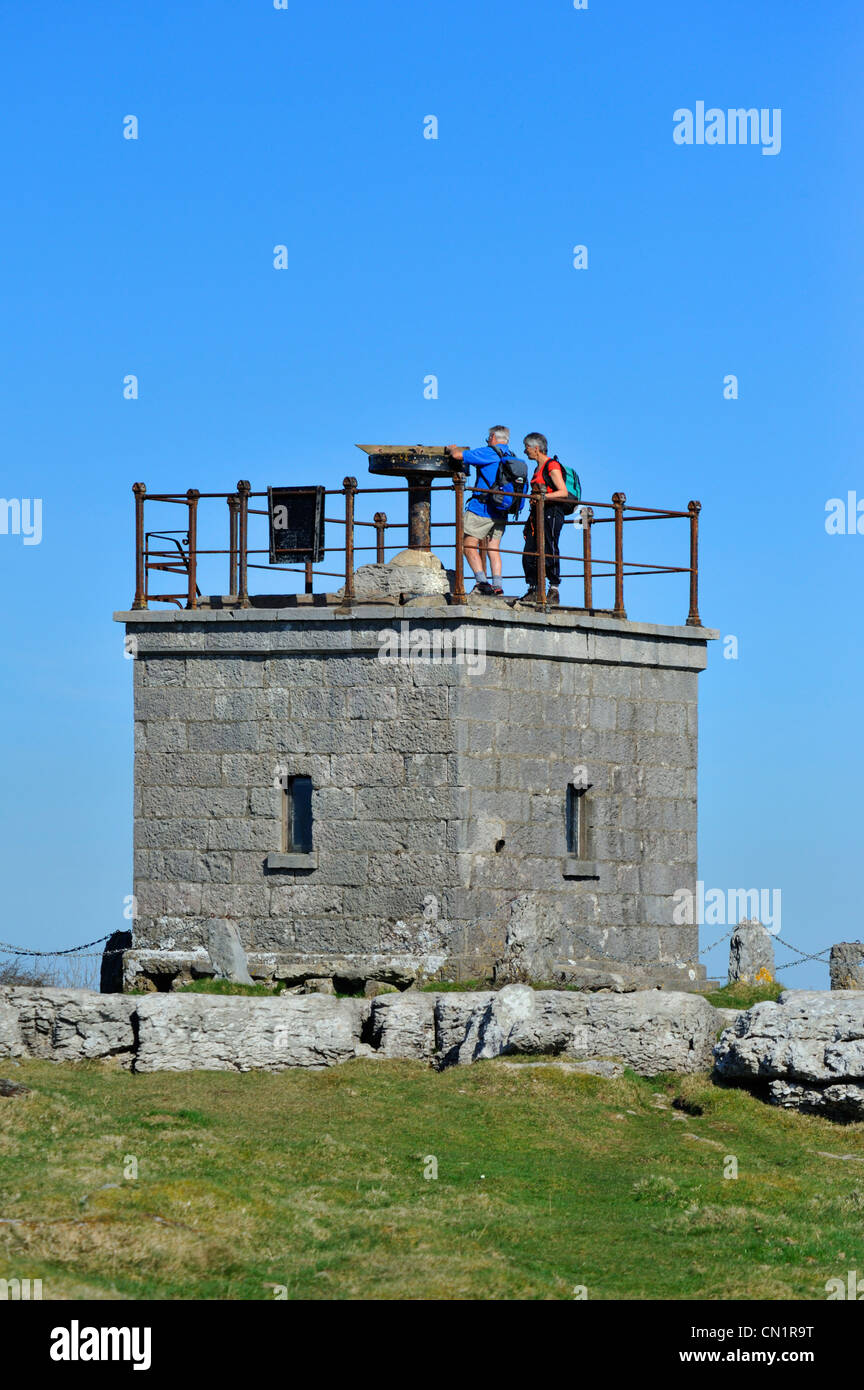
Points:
x=296 y=524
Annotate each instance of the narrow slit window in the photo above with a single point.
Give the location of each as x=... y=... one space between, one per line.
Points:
x=297 y=816
x=577 y=821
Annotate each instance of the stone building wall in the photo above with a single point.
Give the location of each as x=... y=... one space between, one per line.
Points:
x=438 y=789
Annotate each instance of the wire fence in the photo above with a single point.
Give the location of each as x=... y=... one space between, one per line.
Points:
x=65 y=968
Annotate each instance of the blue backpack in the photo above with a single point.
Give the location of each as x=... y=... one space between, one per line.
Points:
x=510 y=489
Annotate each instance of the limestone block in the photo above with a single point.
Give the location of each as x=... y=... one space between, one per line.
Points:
x=806 y=1037
x=199 y=1032
x=65 y=1025
x=403 y=1025
x=649 y=1030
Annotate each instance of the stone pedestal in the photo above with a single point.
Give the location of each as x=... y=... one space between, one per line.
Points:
x=751 y=954
x=846 y=965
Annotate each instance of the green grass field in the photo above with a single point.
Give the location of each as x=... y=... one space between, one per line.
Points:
x=315 y=1181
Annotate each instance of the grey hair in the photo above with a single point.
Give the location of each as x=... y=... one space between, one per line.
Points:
x=536 y=441
x=498 y=432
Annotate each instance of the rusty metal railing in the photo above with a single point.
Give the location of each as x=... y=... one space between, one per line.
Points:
x=184 y=556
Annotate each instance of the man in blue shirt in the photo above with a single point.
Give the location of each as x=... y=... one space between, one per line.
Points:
x=477 y=523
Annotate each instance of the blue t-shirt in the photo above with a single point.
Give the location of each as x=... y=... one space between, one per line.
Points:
x=486 y=461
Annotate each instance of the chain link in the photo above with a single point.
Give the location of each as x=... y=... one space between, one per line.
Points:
x=78 y=951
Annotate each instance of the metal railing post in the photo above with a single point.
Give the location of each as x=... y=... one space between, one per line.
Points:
x=243 y=490
x=459 y=560
x=350 y=487
x=380 y=519
x=587 y=518
x=192 y=600
x=693 y=619
x=140 y=600
x=233 y=503
x=539 y=500
x=618 y=500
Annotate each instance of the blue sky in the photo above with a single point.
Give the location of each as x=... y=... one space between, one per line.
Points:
x=453 y=257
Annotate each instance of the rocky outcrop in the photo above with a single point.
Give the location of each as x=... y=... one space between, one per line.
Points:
x=66 y=1025
x=808 y=1047
x=837 y=1102
x=650 y=1031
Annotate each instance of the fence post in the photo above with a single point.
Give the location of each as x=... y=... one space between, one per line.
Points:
x=693 y=619
x=587 y=518
x=618 y=500
x=459 y=561
x=380 y=523
x=243 y=490
x=540 y=538
x=192 y=495
x=232 y=545
x=350 y=487
x=140 y=600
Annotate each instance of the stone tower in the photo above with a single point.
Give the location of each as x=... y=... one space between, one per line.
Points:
x=397 y=790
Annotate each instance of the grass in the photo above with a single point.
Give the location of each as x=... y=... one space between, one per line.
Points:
x=315 y=1181
x=208 y=986
x=741 y=996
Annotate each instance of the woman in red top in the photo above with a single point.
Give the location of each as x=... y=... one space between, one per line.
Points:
x=548 y=475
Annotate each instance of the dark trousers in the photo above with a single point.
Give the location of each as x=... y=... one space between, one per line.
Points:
x=553 y=519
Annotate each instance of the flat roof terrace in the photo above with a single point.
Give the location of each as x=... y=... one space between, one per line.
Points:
x=317 y=536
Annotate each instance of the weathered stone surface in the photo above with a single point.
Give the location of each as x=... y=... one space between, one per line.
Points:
x=226 y=952
x=373 y=988
x=414 y=572
x=420 y=771
x=199 y=1032
x=67 y=1025
x=807 y=1037
x=835 y=1102
x=323 y=985
x=728 y=1018
x=751 y=953
x=593 y=977
x=403 y=1025
x=651 y=1030
x=846 y=965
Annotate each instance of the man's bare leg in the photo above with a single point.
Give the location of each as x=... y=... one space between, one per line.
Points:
x=474 y=558
x=493 y=546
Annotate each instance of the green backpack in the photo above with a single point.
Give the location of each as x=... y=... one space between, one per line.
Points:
x=571 y=482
